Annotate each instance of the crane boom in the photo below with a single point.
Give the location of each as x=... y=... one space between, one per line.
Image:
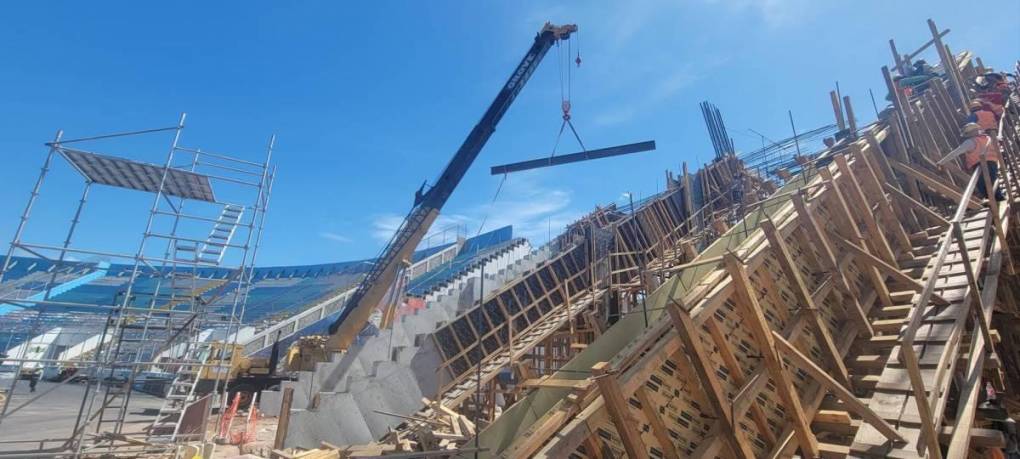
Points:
x=427 y=204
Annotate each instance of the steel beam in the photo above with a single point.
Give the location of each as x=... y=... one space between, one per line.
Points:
x=574 y=157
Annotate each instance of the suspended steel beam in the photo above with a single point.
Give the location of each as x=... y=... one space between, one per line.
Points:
x=574 y=157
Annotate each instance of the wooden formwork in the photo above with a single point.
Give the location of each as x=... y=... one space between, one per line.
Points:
x=792 y=339
x=851 y=313
x=538 y=322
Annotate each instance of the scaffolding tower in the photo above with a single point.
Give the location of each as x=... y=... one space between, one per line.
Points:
x=186 y=287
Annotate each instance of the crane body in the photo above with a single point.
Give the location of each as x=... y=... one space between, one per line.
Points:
x=428 y=203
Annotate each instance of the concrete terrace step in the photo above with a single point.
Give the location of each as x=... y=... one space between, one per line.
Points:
x=383 y=372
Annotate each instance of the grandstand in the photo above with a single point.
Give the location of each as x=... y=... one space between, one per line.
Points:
x=278 y=293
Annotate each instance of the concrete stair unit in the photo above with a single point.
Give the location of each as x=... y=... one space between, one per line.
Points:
x=392 y=370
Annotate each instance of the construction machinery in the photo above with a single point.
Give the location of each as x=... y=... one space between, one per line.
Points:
x=428 y=203
x=247 y=375
x=305 y=352
x=223 y=362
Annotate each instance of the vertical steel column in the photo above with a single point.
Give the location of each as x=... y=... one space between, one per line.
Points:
x=46 y=295
x=139 y=257
x=247 y=274
x=31 y=201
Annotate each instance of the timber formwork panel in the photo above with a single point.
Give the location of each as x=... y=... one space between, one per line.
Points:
x=650 y=235
x=521 y=305
x=861 y=264
x=682 y=402
x=775 y=291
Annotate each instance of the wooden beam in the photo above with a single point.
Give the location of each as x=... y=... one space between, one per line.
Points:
x=737 y=374
x=699 y=358
x=800 y=290
x=833 y=451
x=933 y=183
x=890 y=209
x=979 y=437
x=933 y=216
x=814 y=229
x=658 y=428
x=593 y=447
x=756 y=319
x=852 y=402
x=925 y=46
x=843 y=210
x=949 y=65
x=875 y=237
x=897 y=58
x=547 y=382
x=850 y=120
x=616 y=405
x=838 y=110
x=283 y=424
x=897 y=275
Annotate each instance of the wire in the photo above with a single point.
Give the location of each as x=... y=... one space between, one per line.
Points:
x=494 y=197
x=567 y=64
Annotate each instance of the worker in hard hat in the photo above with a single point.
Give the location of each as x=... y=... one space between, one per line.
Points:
x=980 y=115
x=977 y=147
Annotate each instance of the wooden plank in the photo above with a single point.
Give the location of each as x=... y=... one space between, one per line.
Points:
x=840 y=123
x=895 y=218
x=821 y=330
x=879 y=160
x=699 y=359
x=760 y=329
x=875 y=237
x=843 y=210
x=841 y=392
x=612 y=395
x=813 y=228
x=284 y=422
x=593 y=447
x=933 y=183
x=658 y=428
x=892 y=271
x=833 y=451
x=949 y=65
x=548 y=382
x=906 y=199
x=971 y=386
x=737 y=374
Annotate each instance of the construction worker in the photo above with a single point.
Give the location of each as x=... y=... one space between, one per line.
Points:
x=986 y=119
x=977 y=147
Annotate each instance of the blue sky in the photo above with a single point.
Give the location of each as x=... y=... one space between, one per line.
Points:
x=369 y=99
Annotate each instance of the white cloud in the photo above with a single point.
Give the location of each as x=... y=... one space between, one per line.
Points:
x=335 y=237
x=533 y=208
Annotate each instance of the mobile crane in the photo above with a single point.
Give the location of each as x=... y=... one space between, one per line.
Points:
x=428 y=203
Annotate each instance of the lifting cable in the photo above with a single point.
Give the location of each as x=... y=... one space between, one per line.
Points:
x=491 y=204
x=565 y=94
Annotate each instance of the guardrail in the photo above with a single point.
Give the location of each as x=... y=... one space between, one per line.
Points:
x=927 y=407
